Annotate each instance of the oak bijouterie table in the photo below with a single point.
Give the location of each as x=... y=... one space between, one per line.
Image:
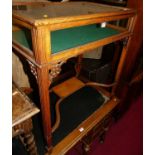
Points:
x=47 y=35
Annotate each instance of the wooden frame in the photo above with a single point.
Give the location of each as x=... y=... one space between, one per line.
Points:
x=41 y=59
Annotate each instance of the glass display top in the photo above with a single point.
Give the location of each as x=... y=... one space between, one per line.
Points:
x=32 y=13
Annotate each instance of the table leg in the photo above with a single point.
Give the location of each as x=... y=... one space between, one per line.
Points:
x=26 y=136
x=43 y=85
x=29 y=142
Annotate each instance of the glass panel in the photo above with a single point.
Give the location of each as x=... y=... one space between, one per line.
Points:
x=76 y=36
x=67 y=38
x=56 y=10
x=23 y=37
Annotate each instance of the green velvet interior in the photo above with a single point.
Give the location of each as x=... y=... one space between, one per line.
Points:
x=72 y=37
x=75 y=108
x=68 y=38
x=23 y=37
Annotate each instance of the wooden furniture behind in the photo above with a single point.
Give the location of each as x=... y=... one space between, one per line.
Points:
x=22 y=111
x=114 y=2
x=48 y=34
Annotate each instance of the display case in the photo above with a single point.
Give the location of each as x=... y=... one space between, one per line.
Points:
x=47 y=35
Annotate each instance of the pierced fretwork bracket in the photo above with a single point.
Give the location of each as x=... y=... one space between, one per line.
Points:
x=33 y=69
x=125 y=41
x=55 y=69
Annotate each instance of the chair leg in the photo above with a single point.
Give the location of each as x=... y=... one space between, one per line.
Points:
x=27 y=137
x=30 y=143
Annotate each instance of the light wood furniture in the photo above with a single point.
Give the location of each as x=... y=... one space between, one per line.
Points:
x=48 y=34
x=68 y=87
x=22 y=111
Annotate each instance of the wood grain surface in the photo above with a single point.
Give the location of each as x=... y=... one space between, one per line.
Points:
x=22 y=107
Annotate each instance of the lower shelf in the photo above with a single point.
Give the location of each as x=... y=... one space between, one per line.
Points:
x=76 y=108
x=80 y=112
x=67 y=87
x=84 y=128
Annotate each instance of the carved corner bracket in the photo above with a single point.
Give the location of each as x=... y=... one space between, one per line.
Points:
x=55 y=69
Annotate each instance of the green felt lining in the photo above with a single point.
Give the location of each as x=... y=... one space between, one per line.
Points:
x=76 y=108
x=68 y=38
x=23 y=37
